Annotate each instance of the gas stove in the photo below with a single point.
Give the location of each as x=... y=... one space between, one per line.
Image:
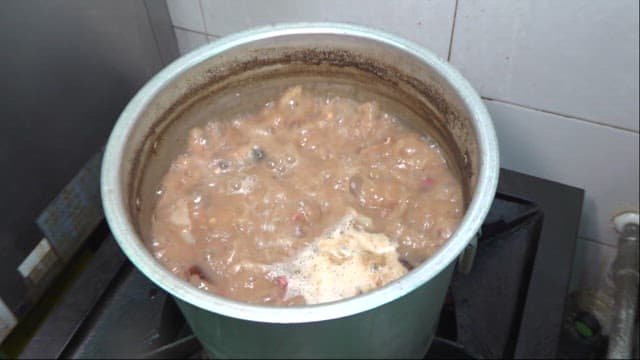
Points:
x=510 y=304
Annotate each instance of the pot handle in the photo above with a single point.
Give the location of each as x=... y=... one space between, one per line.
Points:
x=465 y=260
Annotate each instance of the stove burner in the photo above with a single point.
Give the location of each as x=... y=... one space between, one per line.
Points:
x=486 y=305
x=509 y=305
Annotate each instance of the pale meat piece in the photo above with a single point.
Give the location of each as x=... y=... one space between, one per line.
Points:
x=345 y=262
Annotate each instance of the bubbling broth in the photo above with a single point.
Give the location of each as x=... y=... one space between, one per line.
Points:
x=310 y=199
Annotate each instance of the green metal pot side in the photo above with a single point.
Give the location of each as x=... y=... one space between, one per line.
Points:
x=399 y=329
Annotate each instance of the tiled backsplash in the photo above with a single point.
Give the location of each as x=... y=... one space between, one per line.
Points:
x=560 y=79
x=570 y=57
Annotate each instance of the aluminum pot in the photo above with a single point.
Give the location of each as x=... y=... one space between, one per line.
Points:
x=240 y=72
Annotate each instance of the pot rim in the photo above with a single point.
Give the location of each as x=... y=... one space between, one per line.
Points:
x=116 y=208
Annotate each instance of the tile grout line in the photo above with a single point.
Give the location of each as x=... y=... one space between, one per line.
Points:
x=194 y=31
x=204 y=23
x=453 y=27
x=598 y=242
x=571 y=117
x=153 y=31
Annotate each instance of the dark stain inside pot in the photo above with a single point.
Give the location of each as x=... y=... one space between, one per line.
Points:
x=311 y=198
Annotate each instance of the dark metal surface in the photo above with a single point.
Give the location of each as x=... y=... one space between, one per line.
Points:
x=75 y=212
x=62 y=324
x=144 y=317
x=446 y=349
x=561 y=207
x=186 y=347
x=512 y=303
x=489 y=300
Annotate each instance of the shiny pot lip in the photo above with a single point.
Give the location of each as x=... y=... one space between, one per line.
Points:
x=116 y=208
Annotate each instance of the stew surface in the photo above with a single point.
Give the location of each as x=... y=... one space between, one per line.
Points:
x=309 y=200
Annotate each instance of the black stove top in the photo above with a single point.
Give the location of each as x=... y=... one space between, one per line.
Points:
x=509 y=305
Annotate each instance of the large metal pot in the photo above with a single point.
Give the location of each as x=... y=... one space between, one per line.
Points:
x=397 y=320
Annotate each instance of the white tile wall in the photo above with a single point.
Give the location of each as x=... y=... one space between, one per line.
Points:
x=573 y=57
x=592 y=265
x=602 y=160
x=189 y=40
x=561 y=79
x=186 y=14
x=425 y=22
